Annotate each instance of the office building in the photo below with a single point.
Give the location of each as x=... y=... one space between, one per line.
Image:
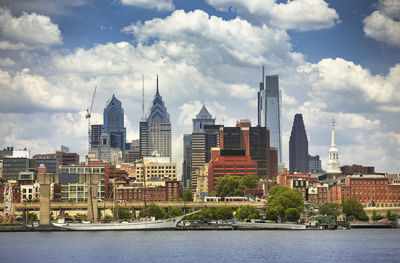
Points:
x=155 y=130
x=269 y=111
x=12 y=166
x=314 y=164
x=95 y=133
x=51 y=164
x=114 y=124
x=298 y=147
x=133 y=154
x=204 y=137
x=63 y=158
x=187 y=162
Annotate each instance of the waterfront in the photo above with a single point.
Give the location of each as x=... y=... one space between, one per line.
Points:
x=364 y=245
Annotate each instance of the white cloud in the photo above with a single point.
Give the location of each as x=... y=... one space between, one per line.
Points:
x=6 y=62
x=198 y=38
x=160 y=5
x=29 y=31
x=383 y=25
x=390 y=7
x=33 y=92
x=300 y=15
x=340 y=84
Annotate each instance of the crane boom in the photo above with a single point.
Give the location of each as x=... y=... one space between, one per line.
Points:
x=94 y=94
x=88 y=115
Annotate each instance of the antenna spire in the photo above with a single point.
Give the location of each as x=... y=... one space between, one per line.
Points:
x=157 y=85
x=142 y=97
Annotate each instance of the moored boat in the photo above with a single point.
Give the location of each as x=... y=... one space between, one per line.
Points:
x=170 y=223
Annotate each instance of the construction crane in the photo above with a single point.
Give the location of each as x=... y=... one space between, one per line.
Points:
x=88 y=115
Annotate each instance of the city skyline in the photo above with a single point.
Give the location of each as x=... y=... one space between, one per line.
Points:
x=340 y=63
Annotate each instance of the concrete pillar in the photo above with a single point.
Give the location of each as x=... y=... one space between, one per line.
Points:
x=45 y=180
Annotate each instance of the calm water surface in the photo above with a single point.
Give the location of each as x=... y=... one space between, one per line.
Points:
x=372 y=245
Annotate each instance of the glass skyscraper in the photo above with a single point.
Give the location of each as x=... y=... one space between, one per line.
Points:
x=155 y=130
x=269 y=110
x=114 y=124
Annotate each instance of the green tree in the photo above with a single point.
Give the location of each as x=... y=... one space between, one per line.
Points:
x=292 y=215
x=376 y=216
x=249 y=181
x=247 y=212
x=124 y=213
x=32 y=217
x=272 y=215
x=187 y=195
x=234 y=185
x=224 y=212
x=153 y=210
x=282 y=198
x=352 y=209
x=330 y=209
x=174 y=212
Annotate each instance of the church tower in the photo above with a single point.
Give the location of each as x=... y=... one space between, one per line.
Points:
x=333 y=162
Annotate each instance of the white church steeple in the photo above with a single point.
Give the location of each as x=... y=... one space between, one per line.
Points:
x=333 y=162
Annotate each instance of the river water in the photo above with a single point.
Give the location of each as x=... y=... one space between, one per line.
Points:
x=357 y=245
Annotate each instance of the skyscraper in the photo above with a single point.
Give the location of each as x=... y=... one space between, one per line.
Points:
x=187 y=161
x=298 y=146
x=333 y=162
x=202 y=142
x=114 y=124
x=155 y=130
x=269 y=110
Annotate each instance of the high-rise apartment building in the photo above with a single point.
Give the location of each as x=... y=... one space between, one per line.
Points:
x=155 y=130
x=269 y=110
x=298 y=146
x=114 y=124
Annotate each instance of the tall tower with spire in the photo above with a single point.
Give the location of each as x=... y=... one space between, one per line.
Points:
x=155 y=130
x=333 y=162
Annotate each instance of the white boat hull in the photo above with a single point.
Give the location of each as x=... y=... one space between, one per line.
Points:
x=150 y=225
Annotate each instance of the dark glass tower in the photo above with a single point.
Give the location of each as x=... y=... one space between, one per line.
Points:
x=114 y=124
x=298 y=146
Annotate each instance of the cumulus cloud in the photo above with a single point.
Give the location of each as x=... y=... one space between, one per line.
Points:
x=214 y=41
x=29 y=31
x=383 y=25
x=299 y=15
x=340 y=84
x=160 y=5
x=34 y=93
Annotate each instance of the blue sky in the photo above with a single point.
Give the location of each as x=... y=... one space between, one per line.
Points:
x=335 y=59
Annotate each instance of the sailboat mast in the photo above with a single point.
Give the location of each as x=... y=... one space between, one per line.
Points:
x=145 y=189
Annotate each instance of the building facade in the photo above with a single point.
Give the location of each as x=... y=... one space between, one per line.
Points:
x=298 y=146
